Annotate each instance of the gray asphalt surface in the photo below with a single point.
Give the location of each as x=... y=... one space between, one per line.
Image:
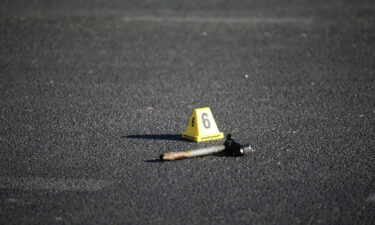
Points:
x=93 y=91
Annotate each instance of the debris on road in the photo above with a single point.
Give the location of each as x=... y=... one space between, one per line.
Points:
x=229 y=147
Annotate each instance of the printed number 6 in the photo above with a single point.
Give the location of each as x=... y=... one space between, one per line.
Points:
x=206 y=122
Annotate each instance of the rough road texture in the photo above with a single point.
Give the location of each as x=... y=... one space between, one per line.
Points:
x=92 y=92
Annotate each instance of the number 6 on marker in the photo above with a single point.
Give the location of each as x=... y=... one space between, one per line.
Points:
x=202 y=126
x=206 y=121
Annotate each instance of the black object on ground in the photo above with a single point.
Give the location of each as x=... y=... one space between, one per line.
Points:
x=229 y=147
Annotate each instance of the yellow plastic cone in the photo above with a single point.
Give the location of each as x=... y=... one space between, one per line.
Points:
x=202 y=126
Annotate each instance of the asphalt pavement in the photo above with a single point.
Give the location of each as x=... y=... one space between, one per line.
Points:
x=93 y=91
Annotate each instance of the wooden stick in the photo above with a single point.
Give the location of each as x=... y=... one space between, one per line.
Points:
x=191 y=154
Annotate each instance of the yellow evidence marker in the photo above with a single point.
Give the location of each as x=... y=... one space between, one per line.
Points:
x=202 y=126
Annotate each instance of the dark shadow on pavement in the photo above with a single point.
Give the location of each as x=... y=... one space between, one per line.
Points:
x=170 y=137
x=154 y=161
